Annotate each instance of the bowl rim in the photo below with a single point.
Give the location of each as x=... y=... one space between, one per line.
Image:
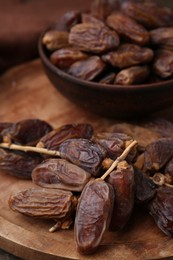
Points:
x=95 y=85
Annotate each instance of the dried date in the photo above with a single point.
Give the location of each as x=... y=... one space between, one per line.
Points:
x=102 y=8
x=128 y=28
x=54 y=138
x=162 y=36
x=161 y=209
x=87 y=69
x=128 y=55
x=26 y=132
x=67 y=21
x=145 y=188
x=122 y=180
x=132 y=75
x=18 y=164
x=115 y=144
x=88 y=18
x=94 y=38
x=84 y=153
x=54 y=40
x=93 y=215
x=157 y=154
x=149 y=13
x=163 y=63
x=60 y=174
x=44 y=203
x=65 y=57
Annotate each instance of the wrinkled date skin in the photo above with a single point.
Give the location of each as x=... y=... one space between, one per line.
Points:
x=18 y=164
x=128 y=28
x=54 y=40
x=60 y=174
x=67 y=21
x=149 y=13
x=162 y=36
x=102 y=8
x=88 y=18
x=128 y=55
x=163 y=63
x=145 y=188
x=122 y=180
x=84 y=153
x=93 y=37
x=157 y=154
x=43 y=203
x=93 y=215
x=87 y=69
x=54 y=138
x=115 y=144
x=65 y=57
x=132 y=75
x=26 y=132
x=161 y=209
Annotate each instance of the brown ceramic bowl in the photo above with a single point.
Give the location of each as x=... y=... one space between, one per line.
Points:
x=109 y=100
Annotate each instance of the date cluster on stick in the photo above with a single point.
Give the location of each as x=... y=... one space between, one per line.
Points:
x=87 y=179
x=114 y=42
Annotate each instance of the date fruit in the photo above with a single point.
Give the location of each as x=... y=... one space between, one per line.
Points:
x=149 y=13
x=145 y=188
x=18 y=164
x=88 y=18
x=26 y=132
x=93 y=215
x=102 y=8
x=65 y=57
x=128 y=28
x=115 y=144
x=122 y=180
x=163 y=63
x=53 y=139
x=54 y=40
x=162 y=36
x=93 y=37
x=67 y=21
x=128 y=55
x=44 y=203
x=161 y=209
x=87 y=69
x=157 y=154
x=84 y=153
x=132 y=75
x=60 y=174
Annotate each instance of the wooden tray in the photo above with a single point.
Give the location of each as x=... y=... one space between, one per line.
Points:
x=25 y=92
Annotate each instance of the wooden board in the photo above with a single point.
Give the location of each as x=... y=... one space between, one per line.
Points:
x=25 y=92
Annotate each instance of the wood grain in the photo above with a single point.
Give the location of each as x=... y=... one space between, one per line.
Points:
x=25 y=92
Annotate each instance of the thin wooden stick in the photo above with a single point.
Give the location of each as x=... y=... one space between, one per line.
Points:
x=29 y=149
x=119 y=159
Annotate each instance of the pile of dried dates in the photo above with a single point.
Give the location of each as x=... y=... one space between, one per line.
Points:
x=114 y=42
x=90 y=179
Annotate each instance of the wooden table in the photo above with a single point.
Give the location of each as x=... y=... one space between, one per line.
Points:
x=25 y=92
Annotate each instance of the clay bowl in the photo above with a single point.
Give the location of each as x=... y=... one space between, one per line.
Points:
x=109 y=100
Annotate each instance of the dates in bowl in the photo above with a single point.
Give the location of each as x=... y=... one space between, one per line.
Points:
x=114 y=59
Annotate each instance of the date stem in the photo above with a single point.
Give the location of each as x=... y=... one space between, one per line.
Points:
x=29 y=149
x=119 y=159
